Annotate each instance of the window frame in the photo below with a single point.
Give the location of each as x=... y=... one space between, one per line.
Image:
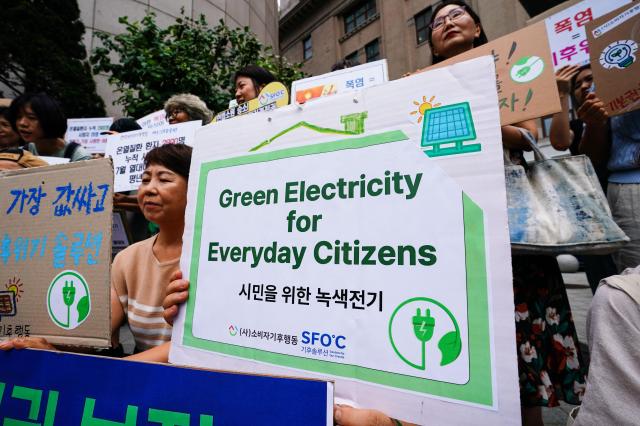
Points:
x=353 y=57
x=307 y=49
x=358 y=15
x=425 y=14
x=375 y=42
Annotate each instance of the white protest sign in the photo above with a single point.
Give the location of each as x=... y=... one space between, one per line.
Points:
x=128 y=150
x=341 y=81
x=153 y=120
x=348 y=240
x=54 y=160
x=567 y=36
x=87 y=132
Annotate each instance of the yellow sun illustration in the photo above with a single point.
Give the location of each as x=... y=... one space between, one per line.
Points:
x=424 y=106
x=15 y=286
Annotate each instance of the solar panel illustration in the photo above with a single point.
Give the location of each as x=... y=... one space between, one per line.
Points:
x=447 y=131
x=7 y=304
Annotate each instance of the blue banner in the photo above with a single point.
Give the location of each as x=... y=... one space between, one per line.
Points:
x=61 y=389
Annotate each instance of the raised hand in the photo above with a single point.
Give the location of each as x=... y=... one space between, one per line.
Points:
x=563 y=78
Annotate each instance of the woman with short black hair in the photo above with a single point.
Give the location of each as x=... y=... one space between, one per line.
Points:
x=249 y=81
x=140 y=273
x=41 y=123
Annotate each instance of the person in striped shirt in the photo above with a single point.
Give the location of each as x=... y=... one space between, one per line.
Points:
x=141 y=272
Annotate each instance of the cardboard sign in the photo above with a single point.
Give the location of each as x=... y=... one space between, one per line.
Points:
x=153 y=120
x=524 y=77
x=340 y=81
x=87 y=132
x=42 y=387
x=352 y=240
x=55 y=252
x=129 y=149
x=273 y=95
x=566 y=31
x=614 y=40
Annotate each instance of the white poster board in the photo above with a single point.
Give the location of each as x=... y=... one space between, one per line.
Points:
x=567 y=37
x=287 y=287
x=88 y=133
x=340 y=81
x=54 y=160
x=153 y=120
x=129 y=149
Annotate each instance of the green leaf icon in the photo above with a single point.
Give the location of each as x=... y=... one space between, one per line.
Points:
x=450 y=345
x=83 y=308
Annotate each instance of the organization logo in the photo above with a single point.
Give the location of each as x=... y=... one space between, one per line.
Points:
x=233 y=330
x=619 y=54
x=424 y=319
x=526 y=69
x=68 y=300
x=267 y=98
x=326 y=340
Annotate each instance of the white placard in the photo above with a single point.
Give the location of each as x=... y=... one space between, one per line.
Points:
x=340 y=81
x=128 y=150
x=87 y=132
x=153 y=120
x=54 y=160
x=286 y=287
x=567 y=37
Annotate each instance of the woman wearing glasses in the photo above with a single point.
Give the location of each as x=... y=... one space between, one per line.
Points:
x=186 y=107
x=549 y=361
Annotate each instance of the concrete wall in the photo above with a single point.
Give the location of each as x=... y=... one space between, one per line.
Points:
x=102 y=15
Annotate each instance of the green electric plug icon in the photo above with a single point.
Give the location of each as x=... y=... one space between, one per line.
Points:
x=423 y=327
x=68 y=296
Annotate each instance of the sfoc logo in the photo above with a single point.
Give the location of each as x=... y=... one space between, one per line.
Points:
x=325 y=339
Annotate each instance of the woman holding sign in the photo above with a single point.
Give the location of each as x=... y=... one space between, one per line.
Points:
x=549 y=361
x=140 y=273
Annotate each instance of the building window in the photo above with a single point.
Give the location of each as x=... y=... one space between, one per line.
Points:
x=372 y=51
x=307 y=51
x=359 y=15
x=422 y=24
x=353 y=58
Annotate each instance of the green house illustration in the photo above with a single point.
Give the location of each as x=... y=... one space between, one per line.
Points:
x=353 y=125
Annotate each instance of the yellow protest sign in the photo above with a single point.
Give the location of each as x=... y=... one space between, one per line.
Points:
x=273 y=95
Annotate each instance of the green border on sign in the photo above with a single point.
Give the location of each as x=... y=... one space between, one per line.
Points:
x=479 y=387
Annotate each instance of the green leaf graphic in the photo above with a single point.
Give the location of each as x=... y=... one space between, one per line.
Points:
x=450 y=345
x=83 y=308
